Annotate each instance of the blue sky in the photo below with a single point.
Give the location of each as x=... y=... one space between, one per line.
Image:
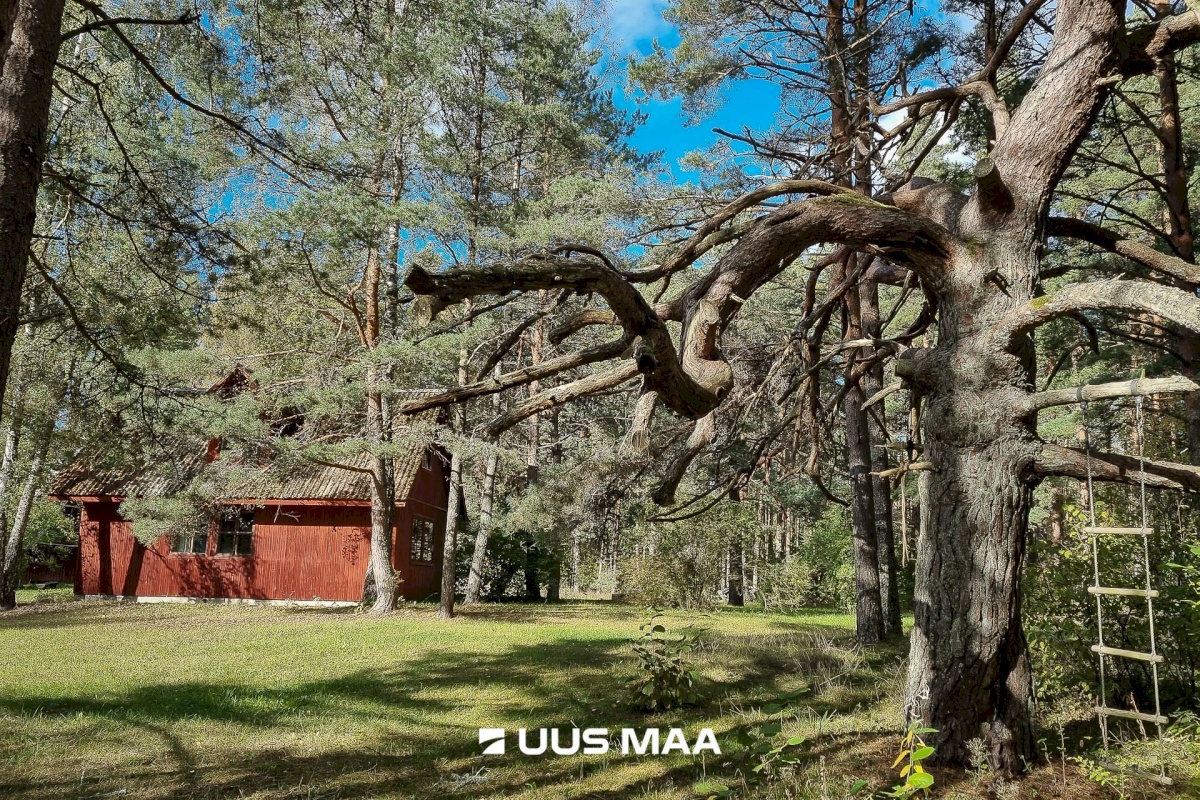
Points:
x=634 y=25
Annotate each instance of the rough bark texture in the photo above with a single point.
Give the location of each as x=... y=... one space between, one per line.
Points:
x=26 y=88
x=450 y=542
x=868 y=606
x=487 y=501
x=881 y=489
x=383 y=503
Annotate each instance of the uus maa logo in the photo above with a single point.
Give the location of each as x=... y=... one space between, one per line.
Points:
x=598 y=741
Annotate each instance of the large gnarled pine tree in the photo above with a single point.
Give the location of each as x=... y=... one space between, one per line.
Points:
x=978 y=258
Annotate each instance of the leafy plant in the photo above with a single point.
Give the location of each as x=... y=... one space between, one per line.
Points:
x=766 y=750
x=913 y=751
x=713 y=791
x=664 y=680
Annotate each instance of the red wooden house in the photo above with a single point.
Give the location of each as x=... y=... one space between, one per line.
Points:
x=301 y=537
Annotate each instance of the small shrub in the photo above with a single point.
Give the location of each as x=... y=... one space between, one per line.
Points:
x=664 y=678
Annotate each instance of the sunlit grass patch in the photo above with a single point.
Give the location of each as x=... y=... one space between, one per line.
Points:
x=204 y=701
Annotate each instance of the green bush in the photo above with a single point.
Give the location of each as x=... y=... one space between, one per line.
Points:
x=664 y=679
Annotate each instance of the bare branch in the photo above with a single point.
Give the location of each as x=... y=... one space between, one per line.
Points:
x=186 y=18
x=583 y=319
x=638 y=440
x=702 y=434
x=1174 y=305
x=1071 y=462
x=560 y=395
x=1115 y=243
x=1138 y=387
x=1147 y=44
x=519 y=377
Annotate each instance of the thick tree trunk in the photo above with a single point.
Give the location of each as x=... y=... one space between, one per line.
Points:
x=1178 y=224
x=969 y=672
x=26 y=89
x=450 y=542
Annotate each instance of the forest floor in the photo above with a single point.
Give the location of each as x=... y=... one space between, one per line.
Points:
x=126 y=701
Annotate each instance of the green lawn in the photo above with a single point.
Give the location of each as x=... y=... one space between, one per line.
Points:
x=104 y=700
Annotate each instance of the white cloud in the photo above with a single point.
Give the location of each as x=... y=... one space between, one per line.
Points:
x=631 y=20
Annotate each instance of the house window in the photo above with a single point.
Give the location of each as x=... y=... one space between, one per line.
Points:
x=236 y=537
x=422 y=540
x=195 y=543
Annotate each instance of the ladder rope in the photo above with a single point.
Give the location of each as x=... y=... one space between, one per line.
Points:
x=1141 y=434
x=1091 y=494
x=1102 y=710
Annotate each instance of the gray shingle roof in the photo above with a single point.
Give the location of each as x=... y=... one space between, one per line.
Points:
x=305 y=481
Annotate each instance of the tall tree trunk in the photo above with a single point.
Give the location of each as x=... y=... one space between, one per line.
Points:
x=881 y=490
x=26 y=89
x=378 y=435
x=450 y=542
x=486 y=515
x=1178 y=223
x=383 y=503
x=965 y=678
x=487 y=501
x=736 y=598
x=868 y=606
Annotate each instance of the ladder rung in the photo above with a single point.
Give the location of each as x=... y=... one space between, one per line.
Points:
x=1113 y=651
x=1116 y=712
x=1150 y=776
x=1123 y=592
x=1117 y=531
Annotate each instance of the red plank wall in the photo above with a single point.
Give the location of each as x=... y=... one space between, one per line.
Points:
x=300 y=552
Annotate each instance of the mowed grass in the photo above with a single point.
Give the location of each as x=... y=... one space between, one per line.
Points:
x=201 y=701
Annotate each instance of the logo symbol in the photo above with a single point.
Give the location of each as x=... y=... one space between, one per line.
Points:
x=494 y=739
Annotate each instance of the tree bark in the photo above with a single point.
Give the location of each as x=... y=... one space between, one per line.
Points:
x=26 y=89
x=735 y=596
x=378 y=434
x=1178 y=220
x=868 y=607
x=450 y=542
x=383 y=503
x=487 y=501
x=969 y=671
x=10 y=556
x=872 y=382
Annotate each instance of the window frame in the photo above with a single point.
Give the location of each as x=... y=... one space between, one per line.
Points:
x=243 y=528
x=191 y=540
x=414 y=552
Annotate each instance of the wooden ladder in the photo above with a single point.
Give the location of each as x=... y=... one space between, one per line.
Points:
x=1102 y=651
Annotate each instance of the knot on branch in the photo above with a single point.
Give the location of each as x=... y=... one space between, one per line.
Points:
x=994 y=197
x=910 y=367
